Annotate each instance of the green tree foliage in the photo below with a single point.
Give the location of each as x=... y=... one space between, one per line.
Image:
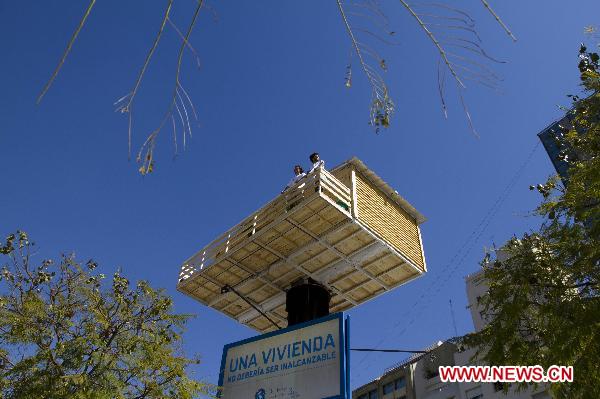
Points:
x=66 y=333
x=544 y=296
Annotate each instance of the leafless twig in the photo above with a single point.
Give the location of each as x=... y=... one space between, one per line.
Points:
x=67 y=50
x=441 y=87
x=188 y=44
x=502 y=24
x=147 y=161
x=381 y=105
x=467 y=113
x=127 y=108
x=434 y=40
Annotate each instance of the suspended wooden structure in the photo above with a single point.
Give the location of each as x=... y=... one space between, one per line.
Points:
x=345 y=228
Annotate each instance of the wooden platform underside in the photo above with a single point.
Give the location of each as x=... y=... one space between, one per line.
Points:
x=315 y=238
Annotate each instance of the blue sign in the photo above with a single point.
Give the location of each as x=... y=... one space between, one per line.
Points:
x=305 y=361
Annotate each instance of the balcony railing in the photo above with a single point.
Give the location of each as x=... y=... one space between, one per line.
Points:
x=319 y=183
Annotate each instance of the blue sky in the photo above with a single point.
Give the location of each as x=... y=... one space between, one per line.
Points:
x=269 y=92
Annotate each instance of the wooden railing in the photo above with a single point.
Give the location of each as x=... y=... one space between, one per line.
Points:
x=319 y=182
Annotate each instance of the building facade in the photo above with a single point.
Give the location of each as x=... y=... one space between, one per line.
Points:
x=417 y=377
x=552 y=139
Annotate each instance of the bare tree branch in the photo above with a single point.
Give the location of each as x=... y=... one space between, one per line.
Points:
x=382 y=106
x=150 y=53
x=147 y=162
x=127 y=107
x=486 y=4
x=67 y=50
x=434 y=40
x=188 y=44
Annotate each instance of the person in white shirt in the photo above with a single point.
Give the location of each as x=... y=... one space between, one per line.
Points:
x=316 y=162
x=298 y=175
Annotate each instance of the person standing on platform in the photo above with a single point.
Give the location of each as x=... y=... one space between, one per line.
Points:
x=298 y=175
x=317 y=162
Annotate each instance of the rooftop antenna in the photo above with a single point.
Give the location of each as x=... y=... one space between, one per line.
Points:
x=453 y=319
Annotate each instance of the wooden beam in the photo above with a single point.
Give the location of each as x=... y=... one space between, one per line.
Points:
x=343 y=256
x=245 y=242
x=279 y=299
x=339 y=227
x=354 y=194
x=306 y=272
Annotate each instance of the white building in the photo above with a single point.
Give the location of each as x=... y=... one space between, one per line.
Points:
x=417 y=377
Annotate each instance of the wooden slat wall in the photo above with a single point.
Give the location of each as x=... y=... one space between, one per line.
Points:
x=388 y=220
x=344 y=175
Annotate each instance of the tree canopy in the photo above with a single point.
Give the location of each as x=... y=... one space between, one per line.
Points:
x=66 y=333
x=544 y=295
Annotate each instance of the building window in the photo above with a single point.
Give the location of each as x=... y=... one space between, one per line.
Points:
x=499 y=386
x=388 y=388
x=373 y=394
x=431 y=373
x=474 y=393
x=364 y=396
x=400 y=383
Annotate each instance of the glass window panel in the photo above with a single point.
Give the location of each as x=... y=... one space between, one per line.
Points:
x=474 y=393
x=400 y=383
x=388 y=388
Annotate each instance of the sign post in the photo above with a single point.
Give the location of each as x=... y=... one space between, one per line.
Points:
x=305 y=361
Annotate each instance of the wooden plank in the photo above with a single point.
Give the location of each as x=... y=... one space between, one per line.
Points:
x=388 y=220
x=286 y=273
x=248 y=239
x=354 y=193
